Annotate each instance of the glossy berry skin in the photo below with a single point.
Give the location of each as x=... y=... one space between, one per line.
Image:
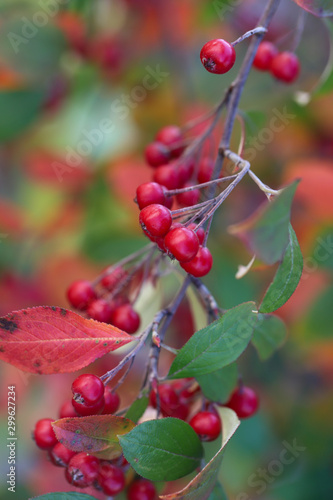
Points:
x=111 y=479
x=44 y=435
x=171 y=136
x=188 y=198
x=200 y=232
x=100 y=310
x=141 y=489
x=112 y=279
x=87 y=389
x=182 y=243
x=112 y=401
x=83 y=410
x=218 y=56
x=67 y=410
x=244 y=401
x=285 y=67
x=264 y=56
x=150 y=193
x=168 y=176
x=207 y=425
x=82 y=470
x=156 y=219
x=126 y=319
x=157 y=154
x=200 y=265
x=80 y=294
x=168 y=399
x=60 y=455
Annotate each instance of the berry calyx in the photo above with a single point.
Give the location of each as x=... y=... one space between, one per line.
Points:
x=80 y=294
x=44 y=435
x=285 y=67
x=182 y=243
x=218 y=56
x=141 y=489
x=200 y=265
x=100 y=310
x=87 y=389
x=112 y=401
x=156 y=219
x=244 y=401
x=125 y=318
x=82 y=470
x=207 y=425
x=150 y=193
x=111 y=479
x=171 y=136
x=60 y=455
x=157 y=154
x=264 y=56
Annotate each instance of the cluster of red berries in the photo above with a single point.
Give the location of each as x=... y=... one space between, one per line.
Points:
x=103 y=305
x=284 y=66
x=82 y=470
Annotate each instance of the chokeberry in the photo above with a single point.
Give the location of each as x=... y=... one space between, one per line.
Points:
x=87 y=389
x=60 y=455
x=111 y=479
x=80 y=294
x=285 y=67
x=207 y=425
x=168 y=176
x=44 y=435
x=141 y=489
x=126 y=318
x=67 y=410
x=264 y=56
x=112 y=279
x=200 y=265
x=100 y=310
x=150 y=193
x=157 y=154
x=218 y=56
x=200 y=232
x=82 y=470
x=112 y=401
x=188 y=198
x=156 y=219
x=84 y=410
x=206 y=169
x=182 y=243
x=171 y=136
x=244 y=401
x=165 y=398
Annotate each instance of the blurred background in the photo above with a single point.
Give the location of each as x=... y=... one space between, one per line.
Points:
x=68 y=179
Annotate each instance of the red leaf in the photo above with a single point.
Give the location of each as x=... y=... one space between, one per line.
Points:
x=48 y=340
x=320 y=8
x=97 y=434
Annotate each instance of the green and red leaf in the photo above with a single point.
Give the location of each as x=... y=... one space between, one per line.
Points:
x=49 y=340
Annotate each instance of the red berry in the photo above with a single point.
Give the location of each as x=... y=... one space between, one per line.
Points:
x=112 y=401
x=86 y=410
x=150 y=193
x=171 y=136
x=205 y=170
x=67 y=410
x=244 y=401
x=185 y=171
x=168 y=400
x=80 y=294
x=142 y=489
x=218 y=56
x=168 y=176
x=87 y=389
x=188 y=198
x=200 y=265
x=207 y=425
x=285 y=67
x=157 y=154
x=264 y=56
x=156 y=219
x=100 y=310
x=200 y=232
x=182 y=243
x=181 y=411
x=112 y=279
x=44 y=435
x=82 y=470
x=126 y=319
x=60 y=455
x=111 y=479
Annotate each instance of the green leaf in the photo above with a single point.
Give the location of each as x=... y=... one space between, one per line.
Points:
x=203 y=484
x=269 y=334
x=96 y=434
x=217 y=386
x=286 y=278
x=19 y=108
x=318 y=319
x=64 y=496
x=217 y=345
x=137 y=409
x=162 y=450
x=266 y=231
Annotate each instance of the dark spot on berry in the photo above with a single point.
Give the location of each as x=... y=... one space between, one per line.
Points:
x=8 y=325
